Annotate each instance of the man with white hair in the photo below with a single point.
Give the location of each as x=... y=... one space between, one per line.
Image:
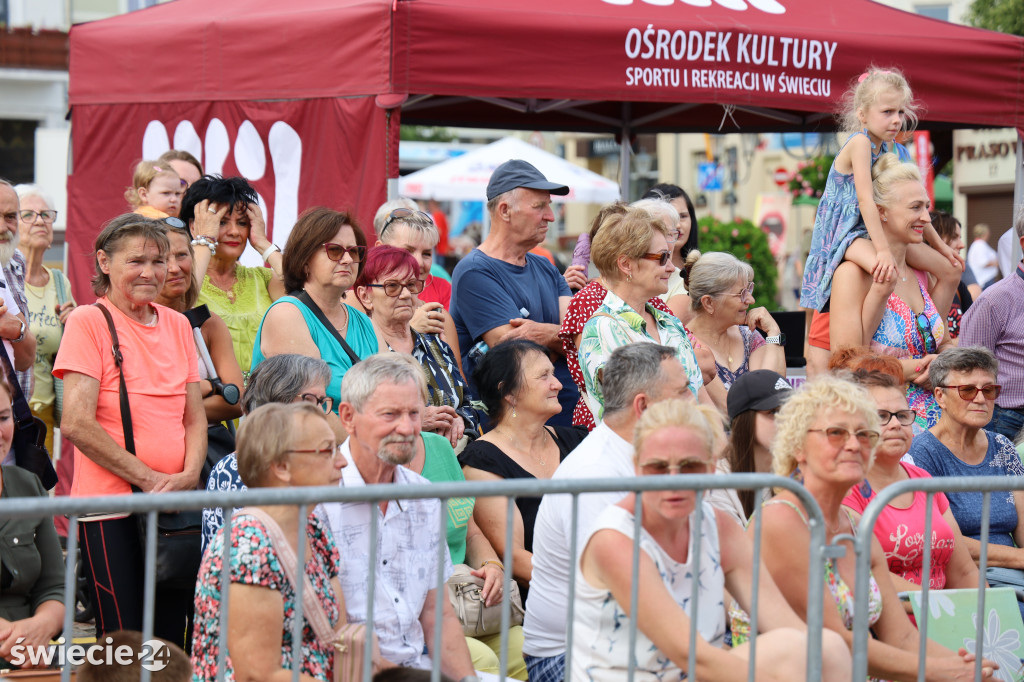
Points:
x=18 y=339
x=383 y=399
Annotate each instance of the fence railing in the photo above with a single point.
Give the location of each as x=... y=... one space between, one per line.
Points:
x=986 y=485
x=306 y=498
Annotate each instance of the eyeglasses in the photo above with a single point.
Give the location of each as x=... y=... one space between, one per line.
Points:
x=336 y=252
x=400 y=213
x=968 y=392
x=325 y=402
x=660 y=258
x=328 y=452
x=659 y=467
x=748 y=291
x=924 y=330
x=27 y=216
x=394 y=288
x=838 y=436
x=904 y=417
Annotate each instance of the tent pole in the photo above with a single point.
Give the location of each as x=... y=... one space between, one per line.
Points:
x=624 y=151
x=1018 y=192
x=392 y=188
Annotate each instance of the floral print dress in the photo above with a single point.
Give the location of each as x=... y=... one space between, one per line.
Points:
x=906 y=335
x=255 y=562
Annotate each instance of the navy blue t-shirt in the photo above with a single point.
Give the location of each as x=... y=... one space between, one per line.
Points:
x=1001 y=459
x=487 y=293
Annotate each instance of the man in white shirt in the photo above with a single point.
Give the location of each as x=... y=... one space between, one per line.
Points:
x=982 y=258
x=382 y=410
x=635 y=377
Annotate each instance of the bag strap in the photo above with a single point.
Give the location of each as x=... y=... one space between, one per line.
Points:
x=289 y=562
x=309 y=303
x=60 y=283
x=22 y=413
x=122 y=389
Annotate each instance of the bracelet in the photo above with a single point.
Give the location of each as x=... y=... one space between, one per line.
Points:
x=269 y=250
x=203 y=240
x=492 y=561
x=21 y=335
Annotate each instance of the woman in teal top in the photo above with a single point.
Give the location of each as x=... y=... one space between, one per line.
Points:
x=321 y=261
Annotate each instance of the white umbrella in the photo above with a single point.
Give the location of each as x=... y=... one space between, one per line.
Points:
x=465 y=177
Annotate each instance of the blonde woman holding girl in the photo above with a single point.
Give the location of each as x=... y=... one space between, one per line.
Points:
x=156 y=190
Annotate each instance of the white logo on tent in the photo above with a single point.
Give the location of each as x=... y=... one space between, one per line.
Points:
x=250 y=157
x=767 y=6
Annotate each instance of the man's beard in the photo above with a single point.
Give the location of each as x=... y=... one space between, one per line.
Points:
x=7 y=249
x=400 y=453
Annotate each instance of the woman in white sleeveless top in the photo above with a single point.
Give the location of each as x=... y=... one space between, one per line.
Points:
x=677 y=437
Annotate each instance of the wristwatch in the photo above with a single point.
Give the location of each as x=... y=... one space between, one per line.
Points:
x=21 y=335
x=779 y=340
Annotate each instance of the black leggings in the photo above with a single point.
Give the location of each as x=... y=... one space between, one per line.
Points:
x=114 y=565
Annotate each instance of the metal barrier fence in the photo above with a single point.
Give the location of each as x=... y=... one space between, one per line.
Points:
x=986 y=485
x=306 y=498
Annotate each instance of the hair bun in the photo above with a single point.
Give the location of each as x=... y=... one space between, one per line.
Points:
x=691 y=260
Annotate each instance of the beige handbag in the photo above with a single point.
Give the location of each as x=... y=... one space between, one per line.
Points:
x=465 y=593
x=349 y=639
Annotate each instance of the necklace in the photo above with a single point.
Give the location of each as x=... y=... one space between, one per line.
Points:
x=515 y=443
x=903 y=277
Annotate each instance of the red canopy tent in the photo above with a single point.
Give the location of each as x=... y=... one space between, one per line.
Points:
x=334 y=74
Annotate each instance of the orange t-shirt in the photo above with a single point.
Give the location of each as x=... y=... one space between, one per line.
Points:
x=158 y=362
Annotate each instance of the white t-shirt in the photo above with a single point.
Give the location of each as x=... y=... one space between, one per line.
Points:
x=602 y=454
x=1005 y=249
x=978 y=257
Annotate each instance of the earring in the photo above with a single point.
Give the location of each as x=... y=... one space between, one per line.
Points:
x=865 y=489
x=629 y=276
x=513 y=411
x=797 y=475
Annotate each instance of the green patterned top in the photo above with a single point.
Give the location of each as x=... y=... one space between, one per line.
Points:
x=243 y=316
x=615 y=324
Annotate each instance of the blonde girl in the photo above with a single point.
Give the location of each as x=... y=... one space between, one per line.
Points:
x=877 y=108
x=156 y=190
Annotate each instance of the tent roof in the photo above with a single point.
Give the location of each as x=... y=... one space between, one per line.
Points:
x=465 y=177
x=552 y=65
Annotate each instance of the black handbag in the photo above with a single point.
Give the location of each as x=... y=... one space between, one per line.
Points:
x=179 y=534
x=29 y=440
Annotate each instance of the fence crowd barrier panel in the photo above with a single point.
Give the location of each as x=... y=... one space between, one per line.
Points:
x=986 y=485
x=307 y=498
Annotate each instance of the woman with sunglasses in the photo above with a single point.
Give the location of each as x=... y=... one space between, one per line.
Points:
x=48 y=293
x=721 y=289
x=900 y=526
x=964 y=381
x=224 y=217
x=897 y=318
x=631 y=251
x=825 y=438
x=387 y=288
x=321 y=262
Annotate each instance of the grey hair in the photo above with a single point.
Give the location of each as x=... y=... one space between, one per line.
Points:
x=712 y=275
x=26 y=190
x=361 y=381
x=962 y=359
x=659 y=210
x=632 y=369
x=1018 y=222
x=279 y=379
x=387 y=207
x=510 y=197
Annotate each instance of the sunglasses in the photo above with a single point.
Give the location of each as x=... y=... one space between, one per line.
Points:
x=336 y=252
x=170 y=221
x=393 y=288
x=838 y=436
x=924 y=330
x=968 y=392
x=659 y=467
x=325 y=402
x=400 y=213
x=660 y=258
x=748 y=291
x=904 y=417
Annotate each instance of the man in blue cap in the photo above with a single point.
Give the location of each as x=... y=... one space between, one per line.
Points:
x=500 y=291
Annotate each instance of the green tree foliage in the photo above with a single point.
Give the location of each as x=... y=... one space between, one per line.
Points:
x=1006 y=16
x=425 y=134
x=747 y=242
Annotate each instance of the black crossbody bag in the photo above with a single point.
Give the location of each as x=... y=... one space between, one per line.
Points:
x=308 y=302
x=179 y=539
x=29 y=442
